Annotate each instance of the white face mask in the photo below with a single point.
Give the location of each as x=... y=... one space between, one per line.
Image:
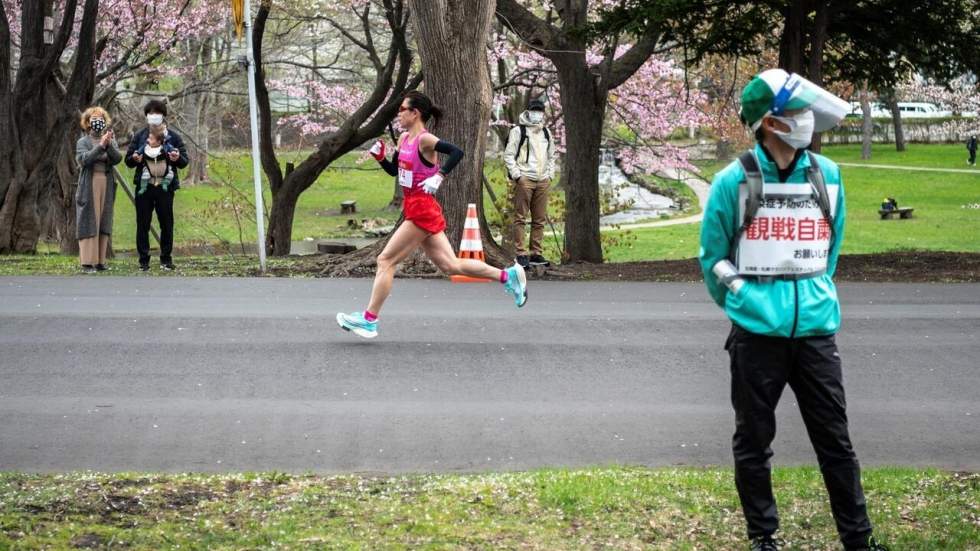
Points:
x=535 y=117
x=154 y=119
x=800 y=129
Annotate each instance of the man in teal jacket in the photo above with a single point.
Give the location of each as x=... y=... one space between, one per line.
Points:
x=770 y=240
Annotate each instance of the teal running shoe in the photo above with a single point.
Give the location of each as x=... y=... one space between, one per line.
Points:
x=517 y=284
x=355 y=323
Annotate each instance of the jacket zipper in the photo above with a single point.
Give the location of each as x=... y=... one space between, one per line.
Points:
x=796 y=308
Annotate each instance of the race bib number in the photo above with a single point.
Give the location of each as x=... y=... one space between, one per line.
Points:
x=404 y=173
x=789 y=234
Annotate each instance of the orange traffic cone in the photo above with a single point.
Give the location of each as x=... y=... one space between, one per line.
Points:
x=471 y=245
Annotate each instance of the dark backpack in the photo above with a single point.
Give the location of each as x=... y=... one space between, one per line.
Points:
x=520 y=143
x=753 y=179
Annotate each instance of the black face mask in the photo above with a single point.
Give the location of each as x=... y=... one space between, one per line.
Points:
x=98 y=125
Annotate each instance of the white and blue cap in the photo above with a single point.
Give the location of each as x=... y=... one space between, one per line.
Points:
x=775 y=91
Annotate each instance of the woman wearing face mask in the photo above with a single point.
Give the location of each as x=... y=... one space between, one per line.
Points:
x=157 y=199
x=415 y=164
x=96 y=153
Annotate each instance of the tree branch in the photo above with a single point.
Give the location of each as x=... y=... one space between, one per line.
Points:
x=270 y=164
x=630 y=62
x=60 y=41
x=532 y=30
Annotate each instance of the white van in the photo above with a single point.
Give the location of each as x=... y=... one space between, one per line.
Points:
x=909 y=109
x=921 y=110
x=878 y=110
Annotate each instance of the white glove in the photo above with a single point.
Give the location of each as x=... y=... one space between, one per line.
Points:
x=431 y=184
x=377 y=150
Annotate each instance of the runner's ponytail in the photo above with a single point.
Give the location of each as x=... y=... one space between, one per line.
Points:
x=436 y=112
x=420 y=102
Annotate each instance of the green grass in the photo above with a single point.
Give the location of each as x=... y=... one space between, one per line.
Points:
x=941 y=222
x=663 y=243
x=923 y=155
x=191 y=266
x=607 y=508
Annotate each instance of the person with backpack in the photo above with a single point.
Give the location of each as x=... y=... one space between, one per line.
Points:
x=770 y=240
x=530 y=160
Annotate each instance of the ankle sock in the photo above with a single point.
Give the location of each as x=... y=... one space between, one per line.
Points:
x=369 y=316
x=503 y=276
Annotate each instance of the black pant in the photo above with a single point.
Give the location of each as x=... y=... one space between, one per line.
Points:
x=761 y=367
x=973 y=156
x=155 y=199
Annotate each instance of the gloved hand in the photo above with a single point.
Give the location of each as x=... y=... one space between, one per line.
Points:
x=431 y=184
x=378 y=150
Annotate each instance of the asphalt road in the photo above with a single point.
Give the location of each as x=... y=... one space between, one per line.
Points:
x=173 y=374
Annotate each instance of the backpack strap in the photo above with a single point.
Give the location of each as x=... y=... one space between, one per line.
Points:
x=520 y=143
x=823 y=198
x=753 y=179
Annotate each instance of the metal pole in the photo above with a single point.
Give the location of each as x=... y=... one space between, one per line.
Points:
x=254 y=118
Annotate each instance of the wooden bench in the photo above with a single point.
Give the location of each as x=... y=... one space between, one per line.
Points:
x=348 y=207
x=902 y=212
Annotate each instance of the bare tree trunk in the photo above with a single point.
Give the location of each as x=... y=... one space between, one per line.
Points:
x=583 y=108
x=818 y=37
x=196 y=106
x=791 y=57
x=457 y=79
x=36 y=134
x=897 y=121
x=867 y=124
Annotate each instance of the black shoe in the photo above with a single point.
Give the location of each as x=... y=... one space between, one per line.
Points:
x=872 y=545
x=169 y=266
x=764 y=543
x=88 y=268
x=101 y=267
x=538 y=260
x=144 y=267
x=522 y=260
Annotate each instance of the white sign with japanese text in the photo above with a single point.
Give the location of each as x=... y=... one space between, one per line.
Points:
x=789 y=234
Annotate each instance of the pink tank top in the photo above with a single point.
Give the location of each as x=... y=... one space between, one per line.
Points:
x=411 y=169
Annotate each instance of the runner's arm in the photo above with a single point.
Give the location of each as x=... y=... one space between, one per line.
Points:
x=391 y=167
x=430 y=143
x=455 y=155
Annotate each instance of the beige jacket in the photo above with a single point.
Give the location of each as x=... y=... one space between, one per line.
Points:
x=536 y=159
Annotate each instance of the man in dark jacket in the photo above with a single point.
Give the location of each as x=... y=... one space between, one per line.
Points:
x=159 y=199
x=971 y=146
